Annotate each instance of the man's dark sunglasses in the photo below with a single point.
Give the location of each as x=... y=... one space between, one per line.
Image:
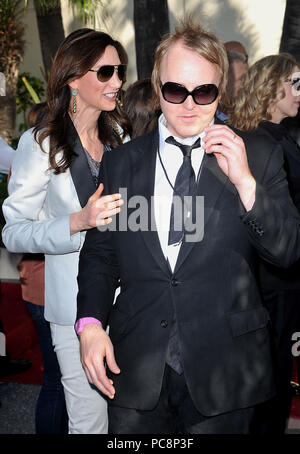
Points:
x=104 y=73
x=177 y=93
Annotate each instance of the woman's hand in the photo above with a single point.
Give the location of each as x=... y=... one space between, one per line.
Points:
x=97 y=211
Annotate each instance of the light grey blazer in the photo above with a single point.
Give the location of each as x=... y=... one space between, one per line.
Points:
x=37 y=214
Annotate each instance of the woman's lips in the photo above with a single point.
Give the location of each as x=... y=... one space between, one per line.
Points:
x=111 y=96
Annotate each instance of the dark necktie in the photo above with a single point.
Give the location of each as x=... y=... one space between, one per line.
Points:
x=185 y=185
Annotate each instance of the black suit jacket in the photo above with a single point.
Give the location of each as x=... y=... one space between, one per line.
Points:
x=222 y=326
x=274 y=277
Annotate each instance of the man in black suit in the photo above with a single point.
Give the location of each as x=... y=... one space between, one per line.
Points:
x=188 y=346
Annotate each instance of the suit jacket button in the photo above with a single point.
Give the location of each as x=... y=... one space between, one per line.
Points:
x=164 y=323
x=174 y=282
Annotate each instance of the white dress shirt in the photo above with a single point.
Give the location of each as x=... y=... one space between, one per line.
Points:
x=172 y=158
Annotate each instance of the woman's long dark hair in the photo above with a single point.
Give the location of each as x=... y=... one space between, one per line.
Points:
x=75 y=56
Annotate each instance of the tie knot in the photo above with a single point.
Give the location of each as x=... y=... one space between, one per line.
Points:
x=186 y=149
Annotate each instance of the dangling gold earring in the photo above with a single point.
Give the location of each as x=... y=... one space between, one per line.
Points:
x=119 y=102
x=74 y=101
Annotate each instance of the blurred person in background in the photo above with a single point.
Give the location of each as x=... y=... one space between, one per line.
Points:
x=238 y=67
x=139 y=108
x=8 y=365
x=270 y=93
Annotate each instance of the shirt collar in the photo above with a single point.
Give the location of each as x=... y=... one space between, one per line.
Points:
x=164 y=133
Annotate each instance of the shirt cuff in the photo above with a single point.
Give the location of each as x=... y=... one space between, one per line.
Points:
x=80 y=324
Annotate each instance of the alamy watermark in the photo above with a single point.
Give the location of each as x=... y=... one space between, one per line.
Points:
x=2 y=85
x=2 y=344
x=296 y=345
x=136 y=214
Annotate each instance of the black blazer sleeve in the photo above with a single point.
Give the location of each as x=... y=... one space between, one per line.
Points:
x=98 y=268
x=273 y=223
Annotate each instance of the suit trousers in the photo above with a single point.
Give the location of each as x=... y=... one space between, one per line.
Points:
x=87 y=409
x=175 y=413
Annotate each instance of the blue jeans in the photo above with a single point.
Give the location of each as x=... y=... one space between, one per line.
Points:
x=51 y=414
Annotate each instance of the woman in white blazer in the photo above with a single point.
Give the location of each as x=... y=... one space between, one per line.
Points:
x=54 y=195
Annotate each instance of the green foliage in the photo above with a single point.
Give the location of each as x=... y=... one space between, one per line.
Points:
x=3 y=188
x=31 y=91
x=86 y=10
x=46 y=6
x=24 y=98
x=9 y=8
x=14 y=142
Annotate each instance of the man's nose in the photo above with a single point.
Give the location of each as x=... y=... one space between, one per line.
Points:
x=189 y=103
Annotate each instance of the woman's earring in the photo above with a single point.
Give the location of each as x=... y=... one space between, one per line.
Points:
x=119 y=102
x=74 y=101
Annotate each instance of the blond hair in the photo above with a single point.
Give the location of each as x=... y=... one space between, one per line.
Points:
x=262 y=87
x=195 y=38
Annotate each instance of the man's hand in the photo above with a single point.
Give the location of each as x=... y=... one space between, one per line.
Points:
x=230 y=152
x=95 y=345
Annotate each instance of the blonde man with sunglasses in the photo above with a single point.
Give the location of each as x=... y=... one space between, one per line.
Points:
x=188 y=347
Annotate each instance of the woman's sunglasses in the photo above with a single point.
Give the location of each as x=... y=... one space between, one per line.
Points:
x=177 y=93
x=104 y=73
x=294 y=81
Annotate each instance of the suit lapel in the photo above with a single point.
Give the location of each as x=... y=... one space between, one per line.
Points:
x=212 y=181
x=211 y=184
x=80 y=171
x=143 y=178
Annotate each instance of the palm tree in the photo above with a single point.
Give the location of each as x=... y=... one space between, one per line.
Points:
x=151 y=22
x=50 y=24
x=290 y=39
x=51 y=30
x=12 y=45
x=11 y=54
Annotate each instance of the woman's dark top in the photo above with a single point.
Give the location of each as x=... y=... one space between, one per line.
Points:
x=272 y=276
